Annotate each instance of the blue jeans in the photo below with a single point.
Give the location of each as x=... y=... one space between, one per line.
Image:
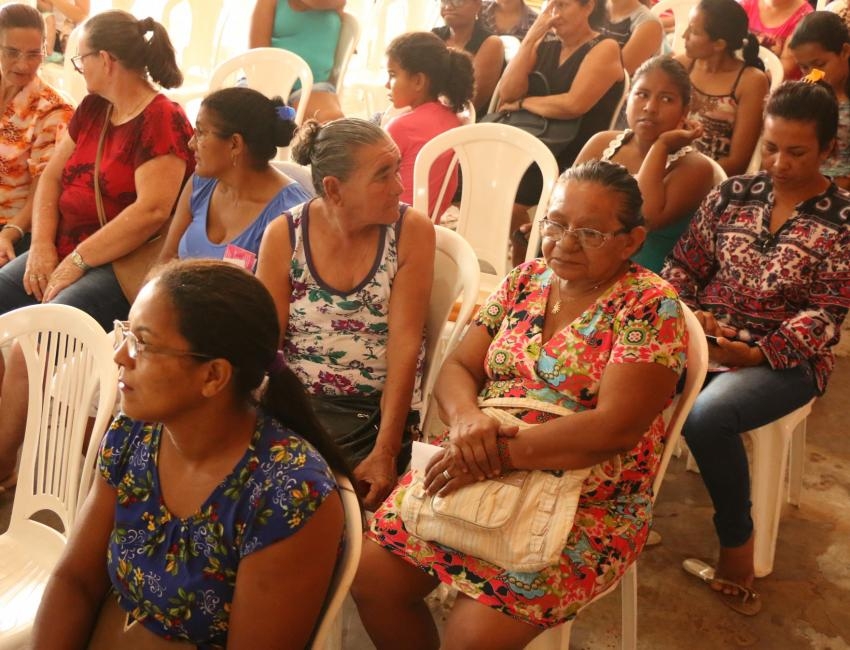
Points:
x=97 y=293
x=729 y=404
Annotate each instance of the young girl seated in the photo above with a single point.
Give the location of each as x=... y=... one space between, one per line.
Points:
x=821 y=41
x=423 y=71
x=656 y=149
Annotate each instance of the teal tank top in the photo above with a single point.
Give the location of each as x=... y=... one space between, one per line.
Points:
x=312 y=35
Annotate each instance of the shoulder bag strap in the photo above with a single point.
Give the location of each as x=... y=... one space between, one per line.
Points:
x=98 y=197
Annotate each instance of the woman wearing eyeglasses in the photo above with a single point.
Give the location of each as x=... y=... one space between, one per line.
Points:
x=32 y=118
x=582 y=328
x=765 y=267
x=235 y=192
x=138 y=141
x=215 y=519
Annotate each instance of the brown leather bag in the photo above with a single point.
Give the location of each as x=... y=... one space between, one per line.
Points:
x=131 y=269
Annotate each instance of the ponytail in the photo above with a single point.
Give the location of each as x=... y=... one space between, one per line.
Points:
x=459 y=81
x=286 y=401
x=751 y=52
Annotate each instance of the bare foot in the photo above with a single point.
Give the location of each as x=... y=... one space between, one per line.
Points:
x=735 y=565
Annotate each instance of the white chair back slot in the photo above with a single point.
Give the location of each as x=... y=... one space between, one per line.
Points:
x=455 y=276
x=493 y=159
x=681 y=9
x=69 y=363
x=349 y=37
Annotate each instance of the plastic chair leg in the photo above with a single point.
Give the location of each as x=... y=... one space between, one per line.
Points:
x=628 y=596
x=798 y=459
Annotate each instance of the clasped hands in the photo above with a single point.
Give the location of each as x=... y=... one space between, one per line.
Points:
x=472 y=454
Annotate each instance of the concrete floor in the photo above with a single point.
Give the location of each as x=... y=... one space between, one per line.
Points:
x=806 y=599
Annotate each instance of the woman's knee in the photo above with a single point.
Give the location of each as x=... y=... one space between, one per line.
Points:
x=384 y=577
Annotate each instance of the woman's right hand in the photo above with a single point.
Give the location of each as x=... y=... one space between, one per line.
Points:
x=7 y=246
x=540 y=27
x=42 y=260
x=474 y=435
x=675 y=139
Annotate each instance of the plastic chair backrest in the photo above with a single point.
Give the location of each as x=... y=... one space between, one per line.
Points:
x=680 y=9
x=772 y=67
x=193 y=26
x=69 y=361
x=269 y=70
x=493 y=159
x=73 y=83
x=511 y=44
x=696 y=371
x=455 y=274
x=349 y=36
x=627 y=86
x=299 y=173
x=347 y=565
x=719 y=172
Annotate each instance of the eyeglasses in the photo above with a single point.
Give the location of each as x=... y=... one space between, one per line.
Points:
x=587 y=237
x=13 y=55
x=77 y=61
x=200 y=134
x=122 y=333
x=454 y=4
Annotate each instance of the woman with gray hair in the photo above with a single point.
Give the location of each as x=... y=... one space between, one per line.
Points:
x=353 y=296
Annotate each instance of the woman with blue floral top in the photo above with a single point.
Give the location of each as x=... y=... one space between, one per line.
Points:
x=350 y=272
x=216 y=510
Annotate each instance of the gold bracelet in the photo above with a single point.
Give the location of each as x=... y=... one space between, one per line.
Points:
x=18 y=228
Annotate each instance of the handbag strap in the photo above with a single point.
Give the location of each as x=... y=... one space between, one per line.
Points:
x=98 y=197
x=524 y=403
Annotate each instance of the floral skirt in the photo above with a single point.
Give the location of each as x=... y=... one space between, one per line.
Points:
x=604 y=541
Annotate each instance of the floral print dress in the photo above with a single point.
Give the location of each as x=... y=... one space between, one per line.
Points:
x=177 y=576
x=337 y=342
x=637 y=320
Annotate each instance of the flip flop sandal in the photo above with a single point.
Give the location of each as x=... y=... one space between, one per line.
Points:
x=745 y=601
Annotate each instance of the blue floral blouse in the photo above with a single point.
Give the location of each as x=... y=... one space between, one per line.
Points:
x=177 y=576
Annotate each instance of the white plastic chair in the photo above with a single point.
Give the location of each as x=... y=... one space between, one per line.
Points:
x=776 y=75
x=681 y=9
x=772 y=444
x=559 y=638
x=511 y=45
x=269 y=70
x=627 y=86
x=63 y=77
x=300 y=174
x=69 y=361
x=455 y=274
x=328 y=634
x=493 y=159
x=349 y=37
x=719 y=172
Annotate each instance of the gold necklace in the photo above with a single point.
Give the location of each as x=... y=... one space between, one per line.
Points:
x=556 y=308
x=126 y=116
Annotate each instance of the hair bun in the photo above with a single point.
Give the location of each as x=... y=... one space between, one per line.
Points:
x=146 y=25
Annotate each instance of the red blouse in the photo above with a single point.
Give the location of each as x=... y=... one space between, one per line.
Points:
x=161 y=129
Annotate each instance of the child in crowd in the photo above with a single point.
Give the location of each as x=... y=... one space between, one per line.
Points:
x=423 y=71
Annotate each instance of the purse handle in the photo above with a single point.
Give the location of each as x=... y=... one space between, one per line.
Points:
x=98 y=197
x=524 y=403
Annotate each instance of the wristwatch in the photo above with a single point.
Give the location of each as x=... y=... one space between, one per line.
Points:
x=79 y=262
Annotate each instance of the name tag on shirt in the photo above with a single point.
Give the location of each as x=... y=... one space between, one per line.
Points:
x=240 y=257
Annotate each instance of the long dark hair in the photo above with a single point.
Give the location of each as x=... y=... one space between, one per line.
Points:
x=727 y=19
x=125 y=37
x=449 y=71
x=225 y=312
x=826 y=29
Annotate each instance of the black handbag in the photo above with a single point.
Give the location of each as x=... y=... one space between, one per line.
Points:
x=555 y=134
x=353 y=422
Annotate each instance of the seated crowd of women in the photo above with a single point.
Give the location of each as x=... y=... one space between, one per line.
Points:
x=219 y=476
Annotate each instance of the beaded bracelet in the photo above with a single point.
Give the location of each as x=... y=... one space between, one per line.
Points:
x=18 y=228
x=505 y=459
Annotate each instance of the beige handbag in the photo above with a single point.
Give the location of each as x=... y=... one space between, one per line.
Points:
x=519 y=521
x=115 y=629
x=131 y=269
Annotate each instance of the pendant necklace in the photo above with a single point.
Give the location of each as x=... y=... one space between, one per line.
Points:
x=556 y=308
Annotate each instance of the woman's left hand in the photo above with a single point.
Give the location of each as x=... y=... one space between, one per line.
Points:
x=63 y=276
x=445 y=472
x=509 y=107
x=375 y=475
